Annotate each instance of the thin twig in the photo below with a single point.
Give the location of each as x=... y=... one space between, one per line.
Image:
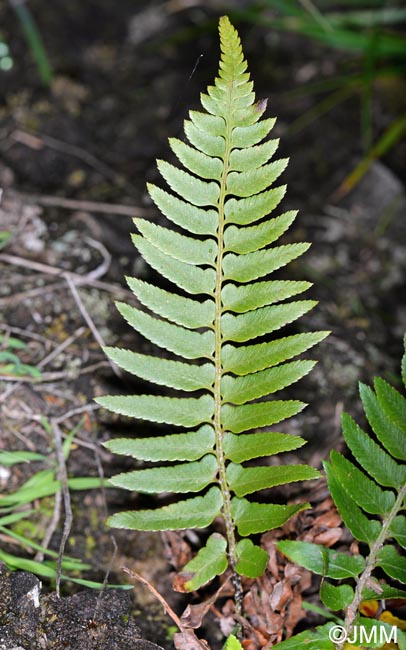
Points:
x=87 y=318
x=168 y=609
x=65 y=344
x=27 y=333
x=102 y=269
x=15 y=298
x=52 y=526
x=55 y=376
x=77 y=411
x=109 y=569
x=38 y=140
x=54 y=270
x=76 y=204
x=63 y=477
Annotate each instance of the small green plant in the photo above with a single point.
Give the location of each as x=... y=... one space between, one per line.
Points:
x=232 y=643
x=370 y=495
x=225 y=190
x=5 y=235
x=17 y=514
x=10 y=363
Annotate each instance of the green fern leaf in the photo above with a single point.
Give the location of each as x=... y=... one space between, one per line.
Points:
x=253 y=518
x=190 y=345
x=387 y=432
x=179 y=446
x=178 y=309
x=184 y=249
x=255 y=180
x=184 y=412
x=245 y=268
x=392 y=403
x=195 y=191
x=248 y=136
x=196 y=161
x=193 y=281
x=336 y=597
x=387 y=592
x=260 y=414
x=183 y=214
x=245 y=480
x=239 y=390
x=211 y=145
x=242 y=160
x=247 y=297
x=361 y=527
x=397 y=529
x=233 y=643
x=181 y=478
x=254 y=445
x=248 y=240
x=365 y=492
x=246 y=211
x=252 y=559
x=247 y=359
x=191 y=513
x=175 y=374
x=371 y=456
x=308 y=640
x=392 y=563
x=266 y=320
x=217 y=263
x=210 y=561
x=323 y=561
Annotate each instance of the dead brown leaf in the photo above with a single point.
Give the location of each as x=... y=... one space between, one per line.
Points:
x=187 y=640
x=193 y=615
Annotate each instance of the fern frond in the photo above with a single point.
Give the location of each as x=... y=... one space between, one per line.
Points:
x=377 y=487
x=219 y=265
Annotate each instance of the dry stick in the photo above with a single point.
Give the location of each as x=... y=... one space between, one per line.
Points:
x=54 y=376
x=100 y=472
x=15 y=298
x=65 y=344
x=105 y=265
x=37 y=417
x=77 y=204
x=77 y=411
x=54 y=270
x=168 y=609
x=38 y=140
x=28 y=443
x=25 y=332
x=51 y=528
x=96 y=334
x=63 y=477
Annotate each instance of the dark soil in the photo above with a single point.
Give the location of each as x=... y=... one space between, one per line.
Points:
x=86 y=620
x=123 y=83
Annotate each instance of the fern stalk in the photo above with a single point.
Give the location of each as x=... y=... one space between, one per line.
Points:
x=364 y=580
x=217 y=420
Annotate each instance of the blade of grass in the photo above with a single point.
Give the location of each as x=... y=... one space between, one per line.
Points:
x=387 y=140
x=34 y=40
